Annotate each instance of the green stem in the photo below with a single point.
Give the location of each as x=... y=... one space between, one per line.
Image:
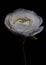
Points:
x=24 y=50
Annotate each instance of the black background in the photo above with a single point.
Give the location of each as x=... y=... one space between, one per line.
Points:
x=11 y=45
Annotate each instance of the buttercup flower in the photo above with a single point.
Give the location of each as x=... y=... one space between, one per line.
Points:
x=24 y=22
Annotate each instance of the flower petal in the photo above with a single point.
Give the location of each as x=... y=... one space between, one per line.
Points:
x=41 y=21
x=38 y=31
x=7 y=22
x=26 y=34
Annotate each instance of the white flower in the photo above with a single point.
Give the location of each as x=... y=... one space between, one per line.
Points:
x=24 y=22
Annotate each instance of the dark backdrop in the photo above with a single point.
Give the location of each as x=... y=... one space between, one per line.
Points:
x=11 y=45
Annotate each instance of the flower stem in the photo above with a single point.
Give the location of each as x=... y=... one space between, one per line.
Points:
x=24 y=50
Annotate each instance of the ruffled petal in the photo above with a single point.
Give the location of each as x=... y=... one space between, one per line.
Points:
x=38 y=31
x=7 y=22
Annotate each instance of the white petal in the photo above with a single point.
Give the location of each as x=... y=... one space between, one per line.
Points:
x=7 y=22
x=37 y=21
x=19 y=28
x=38 y=31
x=25 y=34
x=41 y=21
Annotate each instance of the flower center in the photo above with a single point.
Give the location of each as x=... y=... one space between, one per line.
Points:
x=22 y=21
